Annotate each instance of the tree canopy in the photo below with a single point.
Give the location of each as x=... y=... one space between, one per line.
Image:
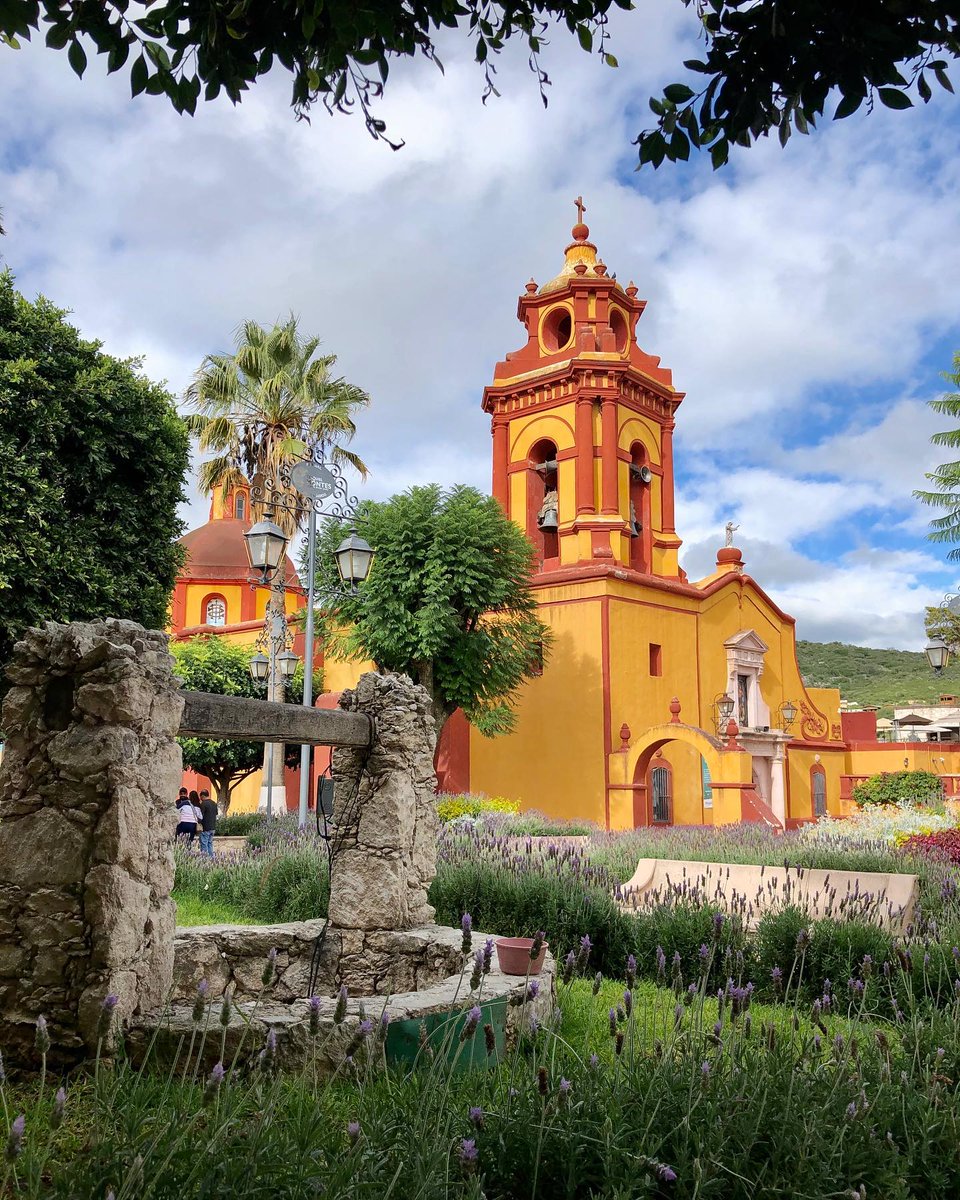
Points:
x=447 y=602
x=213 y=664
x=92 y=463
x=768 y=65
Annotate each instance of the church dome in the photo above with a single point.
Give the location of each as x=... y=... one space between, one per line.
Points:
x=217 y=551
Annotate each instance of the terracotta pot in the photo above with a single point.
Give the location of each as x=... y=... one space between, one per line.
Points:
x=513 y=955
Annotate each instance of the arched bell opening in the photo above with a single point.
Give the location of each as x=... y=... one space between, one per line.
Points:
x=641 y=539
x=543 y=500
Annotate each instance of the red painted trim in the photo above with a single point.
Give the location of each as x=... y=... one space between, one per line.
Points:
x=501 y=453
x=226 y=608
x=605 y=684
x=523 y=383
x=585 y=448
x=667 y=515
x=609 y=500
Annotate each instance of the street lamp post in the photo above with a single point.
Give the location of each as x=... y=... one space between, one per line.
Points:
x=313 y=487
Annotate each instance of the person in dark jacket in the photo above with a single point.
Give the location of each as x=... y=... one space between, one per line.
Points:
x=208 y=818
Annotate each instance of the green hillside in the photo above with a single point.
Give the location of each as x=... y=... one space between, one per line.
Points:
x=882 y=677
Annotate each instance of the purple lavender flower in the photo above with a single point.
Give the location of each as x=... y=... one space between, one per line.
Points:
x=471 y=1023
x=691 y=994
x=487 y=955
x=597 y=983
x=110 y=1002
x=200 y=1004
x=468 y=1154
x=537 y=945
x=631 y=970
x=15 y=1138
x=664 y=1173
x=353 y=1132
x=340 y=1011
x=704 y=952
x=313 y=1006
x=628 y=1002
x=466 y=926
x=490 y=1039
x=269 y=968
x=225 y=1010
x=583 y=954
x=59 y=1104
x=383 y=1026
x=365 y=1028
x=594 y=1061
x=569 y=966
x=661 y=963
x=851 y=1111
x=533 y=989
x=613 y=1022
x=476 y=1117
x=42 y=1036
x=705 y=1071
x=803 y=940
x=777 y=976
x=214 y=1080
x=564 y=1088
x=718 y=923
x=476 y=976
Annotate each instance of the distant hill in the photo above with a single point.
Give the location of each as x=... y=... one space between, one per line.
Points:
x=882 y=677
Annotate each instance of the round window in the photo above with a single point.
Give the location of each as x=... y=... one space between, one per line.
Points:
x=557 y=330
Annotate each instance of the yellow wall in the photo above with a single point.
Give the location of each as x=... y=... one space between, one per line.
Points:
x=232 y=593
x=556 y=763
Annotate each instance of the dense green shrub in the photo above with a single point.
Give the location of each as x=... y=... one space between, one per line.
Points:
x=897 y=787
x=535 y=824
x=285 y=882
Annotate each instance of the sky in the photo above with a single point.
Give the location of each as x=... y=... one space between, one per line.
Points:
x=807 y=299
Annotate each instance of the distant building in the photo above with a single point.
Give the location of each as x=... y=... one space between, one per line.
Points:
x=938 y=722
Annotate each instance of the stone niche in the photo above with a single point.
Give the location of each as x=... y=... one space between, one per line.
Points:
x=90 y=769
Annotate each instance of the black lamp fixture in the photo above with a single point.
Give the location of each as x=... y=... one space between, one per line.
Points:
x=266 y=545
x=260 y=667
x=354 y=558
x=938 y=654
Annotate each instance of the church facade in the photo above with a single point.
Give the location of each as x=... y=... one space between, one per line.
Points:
x=662 y=700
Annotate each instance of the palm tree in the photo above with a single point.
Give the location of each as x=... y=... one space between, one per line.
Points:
x=946 y=478
x=267 y=404
x=261 y=408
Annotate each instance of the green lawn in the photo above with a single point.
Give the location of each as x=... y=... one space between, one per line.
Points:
x=191 y=911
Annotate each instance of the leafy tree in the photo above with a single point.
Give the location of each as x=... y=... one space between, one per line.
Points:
x=946 y=478
x=773 y=67
x=207 y=663
x=900 y=787
x=212 y=664
x=447 y=603
x=265 y=404
x=942 y=621
x=92 y=462
x=768 y=65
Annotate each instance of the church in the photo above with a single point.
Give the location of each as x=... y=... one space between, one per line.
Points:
x=663 y=700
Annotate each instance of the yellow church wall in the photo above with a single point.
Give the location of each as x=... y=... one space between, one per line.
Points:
x=554 y=760
x=197 y=593
x=636 y=428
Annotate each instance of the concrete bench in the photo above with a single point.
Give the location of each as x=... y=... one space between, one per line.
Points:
x=882 y=899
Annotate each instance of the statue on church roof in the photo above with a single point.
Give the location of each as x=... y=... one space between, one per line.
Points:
x=730 y=531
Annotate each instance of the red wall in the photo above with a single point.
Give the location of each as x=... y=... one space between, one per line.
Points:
x=859 y=726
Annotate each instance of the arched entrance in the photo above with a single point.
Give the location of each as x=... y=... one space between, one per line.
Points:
x=669 y=766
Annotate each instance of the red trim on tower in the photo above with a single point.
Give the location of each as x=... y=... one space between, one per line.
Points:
x=605 y=685
x=584 y=436
x=608 y=446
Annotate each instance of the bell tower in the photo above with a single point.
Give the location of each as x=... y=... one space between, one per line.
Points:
x=583 y=425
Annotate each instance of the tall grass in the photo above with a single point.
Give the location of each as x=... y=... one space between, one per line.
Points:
x=632 y=1091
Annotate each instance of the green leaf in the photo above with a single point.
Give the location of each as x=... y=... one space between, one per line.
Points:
x=719 y=153
x=586 y=37
x=77 y=58
x=847 y=106
x=58 y=35
x=117 y=56
x=611 y=60
x=943 y=79
x=678 y=93
x=138 y=76
x=923 y=88
x=893 y=98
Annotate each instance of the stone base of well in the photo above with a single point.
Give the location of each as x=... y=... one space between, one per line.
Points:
x=231 y=959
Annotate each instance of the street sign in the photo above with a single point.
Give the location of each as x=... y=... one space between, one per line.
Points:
x=313 y=481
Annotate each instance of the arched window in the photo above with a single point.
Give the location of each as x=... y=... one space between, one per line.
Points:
x=818 y=790
x=215 y=612
x=661 y=794
x=543 y=500
x=641 y=535
x=240 y=506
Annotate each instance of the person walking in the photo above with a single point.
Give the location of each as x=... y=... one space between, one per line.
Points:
x=189 y=807
x=208 y=823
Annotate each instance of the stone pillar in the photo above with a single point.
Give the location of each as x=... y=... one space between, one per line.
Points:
x=778 y=799
x=89 y=775
x=385 y=811
x=667 y=517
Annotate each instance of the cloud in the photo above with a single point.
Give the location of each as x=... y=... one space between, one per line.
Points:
x=794 y=294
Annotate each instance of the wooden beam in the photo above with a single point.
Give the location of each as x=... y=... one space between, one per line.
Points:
x=240 y=719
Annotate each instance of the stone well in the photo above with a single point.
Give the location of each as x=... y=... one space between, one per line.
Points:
x=425 y=984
